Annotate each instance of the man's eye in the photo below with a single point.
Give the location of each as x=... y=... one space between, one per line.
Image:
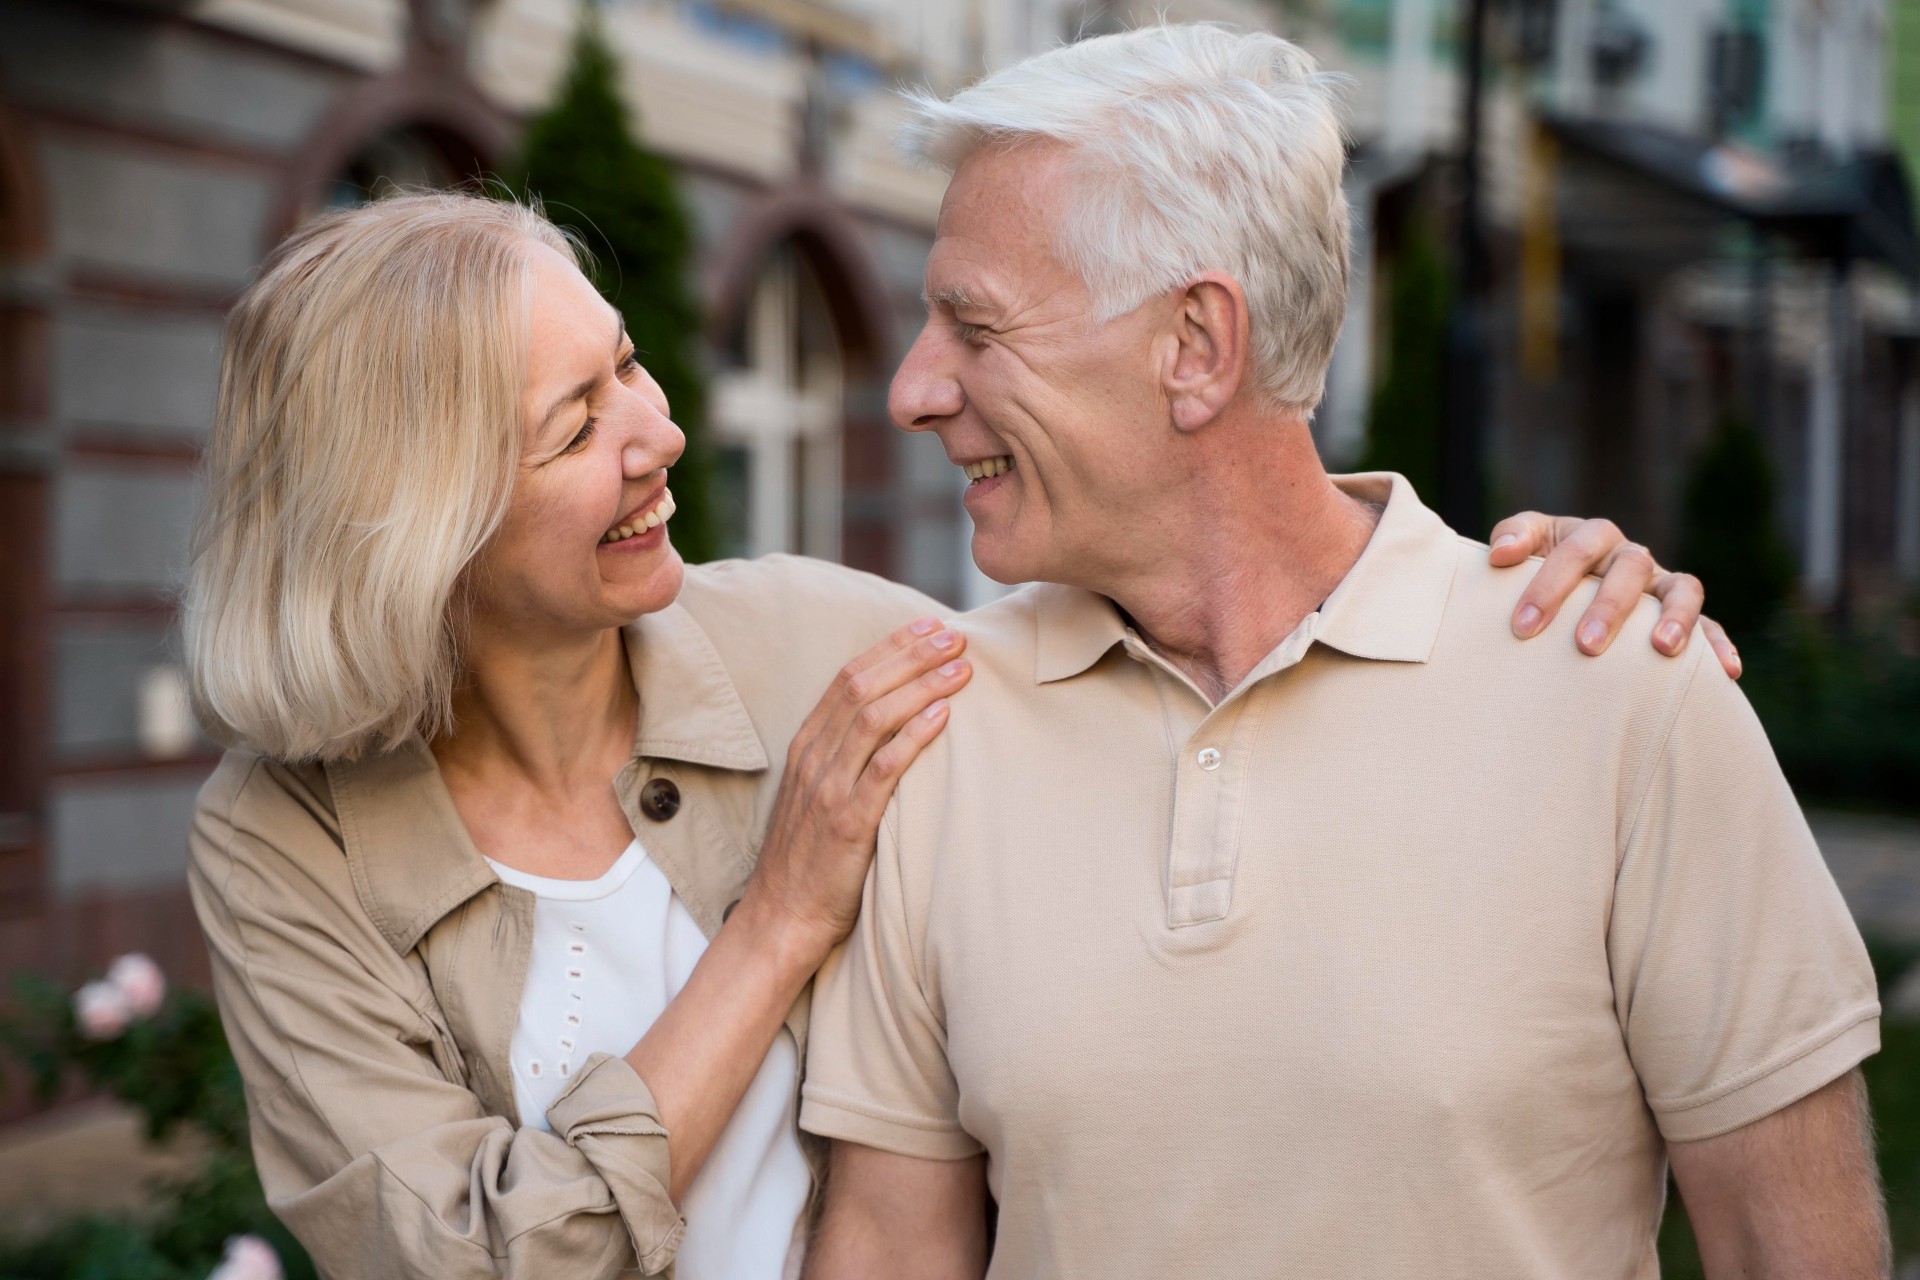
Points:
x=968 y=333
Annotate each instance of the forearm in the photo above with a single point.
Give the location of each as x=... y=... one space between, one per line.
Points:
x=889 y=1216
x=1793 y=1195
x=703 y=1052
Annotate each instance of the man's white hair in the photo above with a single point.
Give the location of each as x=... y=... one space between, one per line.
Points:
x=1195 y=147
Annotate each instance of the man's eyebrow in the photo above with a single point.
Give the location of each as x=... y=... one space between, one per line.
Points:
x=585 y=386
x=953 y=297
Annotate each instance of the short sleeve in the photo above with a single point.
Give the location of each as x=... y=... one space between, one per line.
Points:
x=877 y=1070
x=1740 y=981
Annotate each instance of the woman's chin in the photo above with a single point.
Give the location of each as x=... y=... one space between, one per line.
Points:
x=651 y=587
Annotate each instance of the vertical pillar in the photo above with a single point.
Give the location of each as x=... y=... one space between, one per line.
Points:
x=1826 y=448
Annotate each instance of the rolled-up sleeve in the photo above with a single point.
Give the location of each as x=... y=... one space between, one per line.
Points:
x=368 y=1147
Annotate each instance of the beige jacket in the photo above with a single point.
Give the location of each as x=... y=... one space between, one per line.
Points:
x=369 y=964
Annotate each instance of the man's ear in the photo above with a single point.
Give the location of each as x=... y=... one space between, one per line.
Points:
x=1210 y=349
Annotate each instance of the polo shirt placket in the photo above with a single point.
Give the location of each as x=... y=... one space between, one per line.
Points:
x=1212 y=771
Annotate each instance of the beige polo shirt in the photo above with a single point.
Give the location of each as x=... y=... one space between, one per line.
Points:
x=1403 y=960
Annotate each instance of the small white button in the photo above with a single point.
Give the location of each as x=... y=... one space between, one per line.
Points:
x=1208 y=758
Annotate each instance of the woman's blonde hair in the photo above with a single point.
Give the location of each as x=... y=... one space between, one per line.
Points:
x=363 y=451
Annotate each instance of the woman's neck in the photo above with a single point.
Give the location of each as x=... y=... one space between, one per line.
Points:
x=549 y=712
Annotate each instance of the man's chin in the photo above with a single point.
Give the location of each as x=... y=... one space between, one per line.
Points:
x=1004 y=564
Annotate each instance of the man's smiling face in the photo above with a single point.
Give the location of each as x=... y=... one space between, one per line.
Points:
x=1061 y=423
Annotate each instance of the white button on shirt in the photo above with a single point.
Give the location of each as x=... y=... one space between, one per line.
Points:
x=608 y=954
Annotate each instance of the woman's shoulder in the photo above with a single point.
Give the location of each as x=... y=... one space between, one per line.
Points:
x=254 y=806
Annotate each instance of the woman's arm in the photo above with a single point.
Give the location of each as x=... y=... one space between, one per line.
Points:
x=882 y=709
x=370 y=1146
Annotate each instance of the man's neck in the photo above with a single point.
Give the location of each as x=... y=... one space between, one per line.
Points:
x=550 y=712
x=1280 y=537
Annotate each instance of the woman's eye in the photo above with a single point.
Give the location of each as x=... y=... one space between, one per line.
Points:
x=631 y=363
x=581 y=437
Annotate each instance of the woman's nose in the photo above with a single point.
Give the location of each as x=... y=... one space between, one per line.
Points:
x=654 y=443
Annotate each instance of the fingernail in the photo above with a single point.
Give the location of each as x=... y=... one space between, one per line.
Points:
x=935 y=710
x=953 y=668
x=1527 y=621
x=1670 y=634
x=945 y=640
x=1505 y=540
x=925 y=626
x=1591 y=635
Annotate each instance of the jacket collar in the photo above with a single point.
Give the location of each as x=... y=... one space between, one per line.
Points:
x=411 y=858
x=1388 y=608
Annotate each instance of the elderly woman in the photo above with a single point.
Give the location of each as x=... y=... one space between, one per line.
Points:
x=511 y=918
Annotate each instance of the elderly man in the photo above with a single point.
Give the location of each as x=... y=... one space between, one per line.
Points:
x=1214 y=937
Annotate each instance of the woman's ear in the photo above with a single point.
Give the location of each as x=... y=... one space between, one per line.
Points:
x=1210 y=350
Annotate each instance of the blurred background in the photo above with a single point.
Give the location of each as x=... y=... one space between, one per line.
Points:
x=1649 y=259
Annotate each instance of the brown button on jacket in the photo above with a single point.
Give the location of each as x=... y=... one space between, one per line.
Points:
x=369 y=964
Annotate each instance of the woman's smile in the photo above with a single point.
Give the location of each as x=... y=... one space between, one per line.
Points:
x=642 y=530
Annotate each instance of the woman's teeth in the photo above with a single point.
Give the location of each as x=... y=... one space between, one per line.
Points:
x=991 y=467
x=653 y=519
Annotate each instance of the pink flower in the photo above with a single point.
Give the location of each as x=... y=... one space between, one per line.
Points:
x=248 y=1258
x=139 y=979
x=101 y=1010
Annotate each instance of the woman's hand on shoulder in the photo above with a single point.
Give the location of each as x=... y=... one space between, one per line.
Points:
x=1573 y=549
x=876 y=717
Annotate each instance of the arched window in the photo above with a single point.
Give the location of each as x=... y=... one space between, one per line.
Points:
x=778 y=416
x=408 y=157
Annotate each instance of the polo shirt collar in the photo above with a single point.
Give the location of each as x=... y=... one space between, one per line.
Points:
x=1390 y=604
x=1388 y=607
x=410 y=856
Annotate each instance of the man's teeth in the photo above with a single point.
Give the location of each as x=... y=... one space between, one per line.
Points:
x=653 y=519
x=991 y=467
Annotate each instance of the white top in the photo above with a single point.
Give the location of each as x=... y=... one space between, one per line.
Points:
x=608 y=954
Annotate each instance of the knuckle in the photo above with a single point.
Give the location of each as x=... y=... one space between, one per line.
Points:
x=1638 y=554
x=858 y=687
x=870 y=720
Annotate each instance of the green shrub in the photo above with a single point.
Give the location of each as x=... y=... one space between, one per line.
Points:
x=174 y=1067
x=1842 y=712
x=1404 y=416
x=1728 y=535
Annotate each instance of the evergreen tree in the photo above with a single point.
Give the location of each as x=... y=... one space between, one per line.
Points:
x=581 y=161
x=1728 y=537
x=1403 y=419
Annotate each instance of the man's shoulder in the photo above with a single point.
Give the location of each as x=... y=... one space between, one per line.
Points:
x=1476 y=642
x=781 y=581
x=1006 y=630
x=786 y=603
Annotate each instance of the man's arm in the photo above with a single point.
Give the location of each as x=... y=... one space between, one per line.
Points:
x=894 y=1217
x=1793 y=1194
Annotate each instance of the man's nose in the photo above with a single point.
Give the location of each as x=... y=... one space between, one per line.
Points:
x=924 y=392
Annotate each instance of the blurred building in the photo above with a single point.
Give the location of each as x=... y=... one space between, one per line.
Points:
x=151 y=151
x=1695 y=209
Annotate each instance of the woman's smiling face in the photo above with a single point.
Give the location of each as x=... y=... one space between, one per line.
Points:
x=584 y=545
